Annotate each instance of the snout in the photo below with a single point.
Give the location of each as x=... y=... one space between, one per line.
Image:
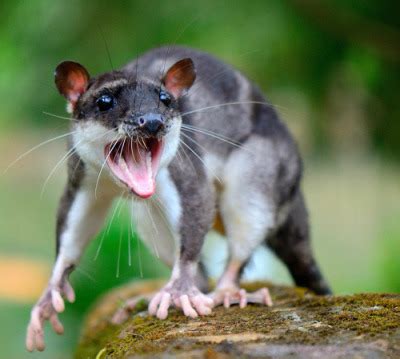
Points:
x=150 y=123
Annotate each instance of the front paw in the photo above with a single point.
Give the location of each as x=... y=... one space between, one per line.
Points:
x=192 y=302
x=47 y=308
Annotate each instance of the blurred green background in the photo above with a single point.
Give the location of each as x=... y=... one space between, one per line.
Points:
x=332 y=68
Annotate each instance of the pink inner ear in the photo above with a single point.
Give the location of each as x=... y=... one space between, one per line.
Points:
x=77 y=83
x=71 y=79
x=180 y=77
x=174 y=88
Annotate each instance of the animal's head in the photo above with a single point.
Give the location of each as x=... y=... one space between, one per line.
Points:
x=123 y=123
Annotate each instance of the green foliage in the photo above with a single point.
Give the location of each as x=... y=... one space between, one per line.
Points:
x=331 y=67
x=115 y=257
x=295 y=45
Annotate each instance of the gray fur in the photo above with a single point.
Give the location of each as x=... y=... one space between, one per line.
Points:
x=272 y=173
x=76 y=170
x=239 y=160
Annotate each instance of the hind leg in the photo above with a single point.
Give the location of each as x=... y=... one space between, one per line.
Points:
x=248 y=213
x=292 y=245
x=247 y=221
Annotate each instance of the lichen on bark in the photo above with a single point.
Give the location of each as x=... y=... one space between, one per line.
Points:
x=299 y=325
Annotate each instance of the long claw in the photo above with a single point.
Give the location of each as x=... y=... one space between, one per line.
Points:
x=46 y=309
x=153 y=306
x=57 y=301
x=200 y=306
x=29 y=342
x=162 y=312
x=227 y=300
x=243 y=298
x=267 y=297
x=56 y=324
x=69 y=292
x=210 y=302
x=230 y=296
x=187 y=307
x=39 y=340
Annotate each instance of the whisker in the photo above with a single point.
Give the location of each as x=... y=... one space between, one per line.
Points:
x=122 y=148
x=200 y=159
x=133 y=153
x=180 y=34
x=119 y=252
x=155 y=229
x=102 y=166
x=119 y=246
x=106 y=46
x=86 y=274
x=138 y=244
x=106 y=232
x=131 y=235
x=36 y=147
x=197 y=86
x=228 y=104
x=211 y=133
x=66 y=157
x=59 y=163
x=151 y=217
x=194 y=141
x=161 y=209
x=222 y=138
x=187 y=157
x=60 y=117
x=117 y=208
x=209 y=79
x=100 y=246
x=136 y=79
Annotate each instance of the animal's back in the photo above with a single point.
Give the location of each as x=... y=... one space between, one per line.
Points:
x=223 y=111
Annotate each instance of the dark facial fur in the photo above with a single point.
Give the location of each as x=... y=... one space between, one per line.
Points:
x=135 y=91
x=123 y=119
x=189 y=149
x=131 y=99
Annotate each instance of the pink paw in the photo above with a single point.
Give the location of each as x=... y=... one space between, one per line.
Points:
x=235 y=295
x=192 y=302
x=47 y=308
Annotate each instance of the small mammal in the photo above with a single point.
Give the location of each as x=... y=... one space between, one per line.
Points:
x=132 y=131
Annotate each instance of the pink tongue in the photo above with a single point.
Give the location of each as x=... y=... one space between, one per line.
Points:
x=136 y=170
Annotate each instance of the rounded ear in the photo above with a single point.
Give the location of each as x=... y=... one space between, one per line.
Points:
x=180 y=77
x=71 y=80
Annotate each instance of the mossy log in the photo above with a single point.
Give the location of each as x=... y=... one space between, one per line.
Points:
x=299 y=325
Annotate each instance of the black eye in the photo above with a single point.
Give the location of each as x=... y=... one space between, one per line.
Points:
x=165 y=98
x=105 y=102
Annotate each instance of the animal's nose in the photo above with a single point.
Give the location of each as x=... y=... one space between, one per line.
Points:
x=150 y=122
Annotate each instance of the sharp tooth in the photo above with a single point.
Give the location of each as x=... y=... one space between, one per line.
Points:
x=125 y=168
x=122 y=163
x=117 y=158
x=148 y=163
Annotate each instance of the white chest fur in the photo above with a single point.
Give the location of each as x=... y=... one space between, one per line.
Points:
x=157 y=219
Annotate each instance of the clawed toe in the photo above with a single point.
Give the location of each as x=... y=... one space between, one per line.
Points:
x=35 y=335
x=261 y=296
x=193 y=304
x=232 y=296
x=47 y=309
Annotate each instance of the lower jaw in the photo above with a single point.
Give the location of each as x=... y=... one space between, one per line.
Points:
x=144 y=195
x=144 y=190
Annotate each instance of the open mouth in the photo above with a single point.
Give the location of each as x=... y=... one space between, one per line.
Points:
x=135 y=163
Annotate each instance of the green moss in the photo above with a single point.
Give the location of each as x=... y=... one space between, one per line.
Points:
x=296 y=317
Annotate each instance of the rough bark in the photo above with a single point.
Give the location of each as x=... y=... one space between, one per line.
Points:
x=299 y=325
